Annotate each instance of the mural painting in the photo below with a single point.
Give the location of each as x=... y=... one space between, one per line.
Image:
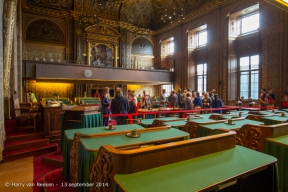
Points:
x=102 y=56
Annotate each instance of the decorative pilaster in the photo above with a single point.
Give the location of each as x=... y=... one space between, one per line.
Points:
x=2 y=128
x=9 y=19
x=115 y=56
x=79 y=32
x=88 y=53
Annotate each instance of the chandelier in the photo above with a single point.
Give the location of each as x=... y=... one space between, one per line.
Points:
x=173 y=11
x=89 y=19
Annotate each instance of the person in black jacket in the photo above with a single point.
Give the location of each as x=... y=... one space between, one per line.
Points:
x=120 y=105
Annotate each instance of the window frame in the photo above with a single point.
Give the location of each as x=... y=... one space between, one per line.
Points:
x=249 y=70
x=204 y=77
x=245 y=16
x=198 y=38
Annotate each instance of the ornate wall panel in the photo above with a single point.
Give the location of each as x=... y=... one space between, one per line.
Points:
x=273 y=77
x=212 y=68
x=70 y=42
x=142 y=46
x=45 y=90
x=33 y=51
x=45 y=31
x=30 y=18
x=224 y=59
x=78 y=5
x=264 y=66
x=55 y=4
x=2 y=127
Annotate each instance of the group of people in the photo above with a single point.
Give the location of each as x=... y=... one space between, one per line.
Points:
x=189 y=100
x=118 y=105
x=124 y=106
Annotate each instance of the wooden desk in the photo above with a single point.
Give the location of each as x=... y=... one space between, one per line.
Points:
x=147 y=122
x=272 y=120
x=84 y=151
x=205 y=130
x=69 y=134
x=278 y=147
x=206 y=173
x=53 y=120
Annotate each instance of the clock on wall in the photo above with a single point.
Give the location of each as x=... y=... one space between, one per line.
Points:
x=88 y=73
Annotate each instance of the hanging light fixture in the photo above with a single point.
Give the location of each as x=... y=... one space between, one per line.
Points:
x=173 y=12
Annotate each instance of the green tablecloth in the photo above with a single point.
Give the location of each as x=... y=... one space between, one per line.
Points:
x=147 y=122
x=278 y=147
x=89 y=147
x=87 y=121
x=204 y=130
x=272 y=120
x=196 y=173
x=69 y=135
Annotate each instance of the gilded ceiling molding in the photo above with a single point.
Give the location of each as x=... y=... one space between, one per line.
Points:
x=8 y=31
x=203 y=10
x=60 y=4
x=102 y=33
x=46 y=10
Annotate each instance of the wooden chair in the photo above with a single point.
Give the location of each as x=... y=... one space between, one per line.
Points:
x=23 y=113
x=134 y=121
x=157 y=123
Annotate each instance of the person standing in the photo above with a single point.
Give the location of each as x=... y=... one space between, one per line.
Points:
x=174 y=99
x=206 y=102
x=132 y=103
x=146 y=100
x=188 y=101
x=163 y=98
x=217 y=103
x=105 y=102
x=197 y=101
x=180 y=98
x=263 y=101
x=120 y=105
x=270 y=97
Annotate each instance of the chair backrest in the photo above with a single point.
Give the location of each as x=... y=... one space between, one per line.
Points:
x=27 y=97
x=16 y=103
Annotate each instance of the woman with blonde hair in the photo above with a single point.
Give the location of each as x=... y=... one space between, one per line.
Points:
x=188 y=101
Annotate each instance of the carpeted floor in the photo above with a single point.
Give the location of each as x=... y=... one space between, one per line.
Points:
x=29 y=171
x=19 y=172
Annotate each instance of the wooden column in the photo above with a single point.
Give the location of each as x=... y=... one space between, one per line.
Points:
x=88 y=48
x=115 y=64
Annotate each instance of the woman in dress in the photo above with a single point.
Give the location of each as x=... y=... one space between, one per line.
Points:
x=105 y=102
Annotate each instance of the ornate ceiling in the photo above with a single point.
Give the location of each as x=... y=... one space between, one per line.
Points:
x=141 y=13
